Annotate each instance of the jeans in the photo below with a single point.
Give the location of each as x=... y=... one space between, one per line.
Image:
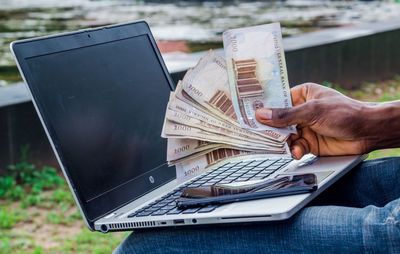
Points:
x=358 y=214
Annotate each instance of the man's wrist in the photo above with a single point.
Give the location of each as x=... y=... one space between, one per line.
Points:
x=382 y=128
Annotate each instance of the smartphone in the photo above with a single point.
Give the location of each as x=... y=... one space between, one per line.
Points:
x=250 y=190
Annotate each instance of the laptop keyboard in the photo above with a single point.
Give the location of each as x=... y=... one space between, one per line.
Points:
x=230 y=172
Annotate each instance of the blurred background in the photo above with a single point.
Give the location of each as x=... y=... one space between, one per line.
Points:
x=351 y=46
x=185 y=26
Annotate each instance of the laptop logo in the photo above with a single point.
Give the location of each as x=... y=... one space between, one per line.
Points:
x=151 y=179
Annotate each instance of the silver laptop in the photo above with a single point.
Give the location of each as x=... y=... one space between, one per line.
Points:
x=101 y=95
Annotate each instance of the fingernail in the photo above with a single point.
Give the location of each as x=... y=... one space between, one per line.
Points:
x=265 y=113
x=293 y=153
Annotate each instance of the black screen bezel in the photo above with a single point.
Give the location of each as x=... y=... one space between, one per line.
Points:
x=117 y=197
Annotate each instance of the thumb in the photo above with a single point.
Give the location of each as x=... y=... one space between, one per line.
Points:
x=282 y=117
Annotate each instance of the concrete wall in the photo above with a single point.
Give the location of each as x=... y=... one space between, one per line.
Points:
x=347 y=56
x=20 y=126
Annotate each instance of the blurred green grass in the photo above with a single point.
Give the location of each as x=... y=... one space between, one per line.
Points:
x=38 y=215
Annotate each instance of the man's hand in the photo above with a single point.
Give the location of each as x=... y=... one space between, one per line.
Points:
x=328 y=122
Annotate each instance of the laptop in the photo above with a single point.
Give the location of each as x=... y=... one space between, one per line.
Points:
x=101 y=96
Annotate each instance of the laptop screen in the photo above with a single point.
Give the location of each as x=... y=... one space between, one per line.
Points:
x=105 y=104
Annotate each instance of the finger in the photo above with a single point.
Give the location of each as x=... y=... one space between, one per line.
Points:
x=296 y=152
x=299 y=148
x=289 y=141
x=292 y=137
x=303 y=93
x=299 y=94
x=282 y=117
x=295 y=136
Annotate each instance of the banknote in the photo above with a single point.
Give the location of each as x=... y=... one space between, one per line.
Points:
x=206 y=87
x=178 y=148
x=196 y=155
x=177 y=130
x=192 y=156
x=176 y=104
x=202 y=124
x=181 y=123
x=257 y=73
x=188 y=152
x=247 y=151
x=207 y=84
x=224 y=133
x=198 y=165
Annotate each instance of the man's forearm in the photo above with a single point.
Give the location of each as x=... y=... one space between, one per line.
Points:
x=382 y=129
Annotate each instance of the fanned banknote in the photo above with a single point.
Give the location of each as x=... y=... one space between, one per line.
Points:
x=195 y=166
x=206 y=85
x=202 y=127
x=257 y=73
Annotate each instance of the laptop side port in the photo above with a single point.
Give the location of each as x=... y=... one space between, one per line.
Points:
x=104 y=228
x=181 y=221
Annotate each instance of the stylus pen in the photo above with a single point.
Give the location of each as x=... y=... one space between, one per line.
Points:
x=245 y=196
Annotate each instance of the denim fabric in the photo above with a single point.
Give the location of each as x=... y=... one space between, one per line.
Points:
x=358 y=214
